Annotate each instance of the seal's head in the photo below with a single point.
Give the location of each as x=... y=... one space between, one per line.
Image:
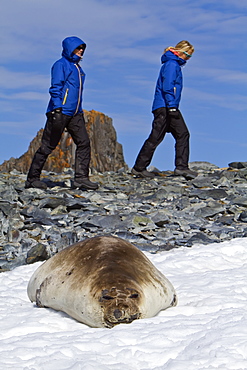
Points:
x=120 y=306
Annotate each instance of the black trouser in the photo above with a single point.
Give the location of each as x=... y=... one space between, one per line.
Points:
x=50 y=139
x=162 y=124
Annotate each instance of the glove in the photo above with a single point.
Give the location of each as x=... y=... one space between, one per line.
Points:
x=173 y=112
x=57 y=118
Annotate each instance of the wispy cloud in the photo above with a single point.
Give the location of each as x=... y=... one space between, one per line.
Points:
x=225 y=100
x=28 y=96
x=222 y=75
x=14 y=79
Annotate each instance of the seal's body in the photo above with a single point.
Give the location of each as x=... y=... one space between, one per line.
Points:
x=101 y=282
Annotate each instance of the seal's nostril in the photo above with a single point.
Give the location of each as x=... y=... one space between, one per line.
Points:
x=117 y=314
x=174 y=301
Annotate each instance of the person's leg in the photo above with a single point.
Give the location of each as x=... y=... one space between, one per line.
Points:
x=159 y=129
x=78 y=132
x=181 y=135
x=49 y=141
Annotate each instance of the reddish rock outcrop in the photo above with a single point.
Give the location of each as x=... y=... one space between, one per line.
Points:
x=106 y=152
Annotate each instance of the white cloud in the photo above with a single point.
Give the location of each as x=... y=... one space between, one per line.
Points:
x=21 y=128
x=14 y=79
x=225 y=100
x=28 y=95
x=220 y=74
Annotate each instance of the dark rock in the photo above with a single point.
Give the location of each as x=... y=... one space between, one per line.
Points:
x=15 y=236
x=34 y=212
x=212 y=208
x=203 y=166
x=37 y=253
x=240 y=201
x=218 y=194
x=230 y=174
x=202 y=182
x=210 y=193
x=226 y=220
x=58 y=241
x=160 y=219
x=41 y=221
x=146 y=247
x=106 y=222
x=8 y=208
x=132 y=238
x=9 y=195
x=200 y=238
x=52 y=202
x=238 y=165
x=243 y=216
x=166 y=247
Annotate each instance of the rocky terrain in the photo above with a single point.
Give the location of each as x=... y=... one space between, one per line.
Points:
x=155 y=215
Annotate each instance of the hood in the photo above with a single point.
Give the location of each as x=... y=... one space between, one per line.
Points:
x=69 y=45
x=170 y=55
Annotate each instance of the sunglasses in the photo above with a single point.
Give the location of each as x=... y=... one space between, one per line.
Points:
x=188 y=55
x=81 y=47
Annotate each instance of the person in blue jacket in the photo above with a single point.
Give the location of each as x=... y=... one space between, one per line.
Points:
x=167 y=116
x=65 y=111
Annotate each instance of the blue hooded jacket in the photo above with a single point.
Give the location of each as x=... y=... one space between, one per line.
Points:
x=67 y=79
x=170 y=82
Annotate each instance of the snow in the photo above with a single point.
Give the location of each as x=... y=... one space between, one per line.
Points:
x=206 y=330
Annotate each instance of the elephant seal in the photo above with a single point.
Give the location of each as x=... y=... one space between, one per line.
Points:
x=101 y=282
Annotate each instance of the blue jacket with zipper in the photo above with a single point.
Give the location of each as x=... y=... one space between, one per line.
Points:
x=67 y=79
x=170 y=82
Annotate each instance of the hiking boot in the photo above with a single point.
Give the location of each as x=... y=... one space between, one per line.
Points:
x=186 y=172
x=85 y=183
x=37 y=184
x=145 y=174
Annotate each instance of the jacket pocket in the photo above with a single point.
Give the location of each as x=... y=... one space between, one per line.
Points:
x=65 y=96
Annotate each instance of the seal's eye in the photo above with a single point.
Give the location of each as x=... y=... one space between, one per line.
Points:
x=107 y=297
x=134 y=295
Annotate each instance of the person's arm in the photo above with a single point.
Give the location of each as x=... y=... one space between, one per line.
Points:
x=57 y=84
x=169 y=80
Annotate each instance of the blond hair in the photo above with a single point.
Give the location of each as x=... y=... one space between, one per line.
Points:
x=182 y=46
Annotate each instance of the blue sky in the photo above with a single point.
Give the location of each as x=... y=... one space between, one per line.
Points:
x=125 y=40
